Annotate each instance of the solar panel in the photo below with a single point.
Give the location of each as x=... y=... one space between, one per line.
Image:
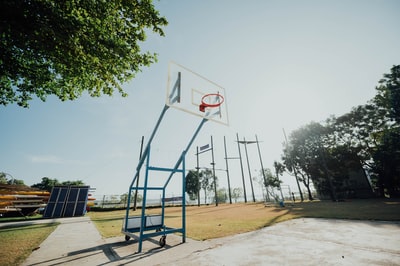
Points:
x=67 y=201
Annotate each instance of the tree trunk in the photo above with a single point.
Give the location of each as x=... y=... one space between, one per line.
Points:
x=310 y=197
x=307 y=185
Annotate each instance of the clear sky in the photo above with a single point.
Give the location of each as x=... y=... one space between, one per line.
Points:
x=283 y=64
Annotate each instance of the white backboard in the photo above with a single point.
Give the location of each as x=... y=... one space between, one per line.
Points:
x=187 y=90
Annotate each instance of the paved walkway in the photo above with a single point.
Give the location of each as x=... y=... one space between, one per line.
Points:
x=297 y=242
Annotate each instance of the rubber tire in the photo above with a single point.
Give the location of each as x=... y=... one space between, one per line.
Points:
x=163 y=241
x=127 y=238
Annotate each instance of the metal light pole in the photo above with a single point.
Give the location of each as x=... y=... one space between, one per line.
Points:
x=213 y=167
x=248 y=165
x=241 y=167
x=198 y=176
x=262 y=167
x=203 y=149
x=227 y=173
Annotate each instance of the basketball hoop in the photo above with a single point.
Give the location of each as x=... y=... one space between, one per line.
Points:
x=205 y=101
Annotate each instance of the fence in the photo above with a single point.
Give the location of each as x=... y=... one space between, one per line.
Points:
x=121 y=201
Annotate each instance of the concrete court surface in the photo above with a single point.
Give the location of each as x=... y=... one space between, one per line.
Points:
x=308 y=241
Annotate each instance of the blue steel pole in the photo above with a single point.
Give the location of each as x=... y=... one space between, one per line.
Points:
x=187 y=148
x=143 y=220
x=183 y=198
x=139 y=166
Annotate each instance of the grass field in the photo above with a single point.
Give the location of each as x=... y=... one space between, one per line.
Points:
x=17 y=243
x=207 y=222
x=204 y=222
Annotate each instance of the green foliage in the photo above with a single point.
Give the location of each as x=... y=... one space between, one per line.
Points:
x=10 y=181
x=387 y=163
x=207 y=182
x=193 y=184
x=237 y=193
x=365 y=138
x=17 y=243
x=73 y=183
x=64 y=48
x=3 y=178
x=16 y=182
x=48 y=183
x=124 y=198
x=302 y=154
x=388 y=93
x=222 y=195
x=272 y=180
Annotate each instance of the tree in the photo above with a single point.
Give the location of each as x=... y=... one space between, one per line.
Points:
x=387 y=163
x=303 y=156
x=3 y=178
x=73 y=183
x=336 y=155
x=64 y=48
x=16 y=182
x=192 y=184
x=386 y=155
x=48 y=183
x=221 y=195
x=207 y=182
x=272 y=181
x=124 y=198
x=388 y=93
x=236 y=193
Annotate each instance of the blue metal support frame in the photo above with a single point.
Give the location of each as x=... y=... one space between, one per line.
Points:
x=161 y=229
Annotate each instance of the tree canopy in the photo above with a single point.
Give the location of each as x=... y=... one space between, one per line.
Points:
x=193 y=184
x=365 y=139
x=48 y=183
x=64 y=48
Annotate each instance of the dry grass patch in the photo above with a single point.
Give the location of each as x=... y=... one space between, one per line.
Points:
x=203 y=222
x=212 y=222
x=207 y=222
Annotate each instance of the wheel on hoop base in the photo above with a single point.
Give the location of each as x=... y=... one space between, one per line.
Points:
x=127 y=238
x=163 y=241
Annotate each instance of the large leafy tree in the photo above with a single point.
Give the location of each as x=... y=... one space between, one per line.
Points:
x=64 y=48
x=365 y=138
x=388 y=93
x=302 y=156
x=387 y=163
x=193 y=184
x=386 y=156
